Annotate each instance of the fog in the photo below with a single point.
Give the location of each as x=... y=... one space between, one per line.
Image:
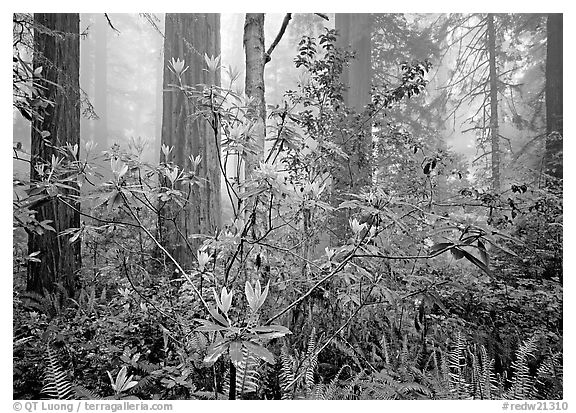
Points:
x=122 y=66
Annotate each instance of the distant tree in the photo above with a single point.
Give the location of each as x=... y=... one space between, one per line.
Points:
x=354 y=31
x=158 y=96
x=485 y=71
x=87 y=62
x=101 y=81
x=134 y=56
x=189 y=37
x=57 y=51
x=493 y=87
x=554 y=83
x=417 y=122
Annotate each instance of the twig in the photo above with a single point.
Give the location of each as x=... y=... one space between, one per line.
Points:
x=142 y=296
x=129 y=224
x=165 y=251
x=110 y=23
x=409 y=257
x=313 y=288
x=326 y=343
x=335 y=271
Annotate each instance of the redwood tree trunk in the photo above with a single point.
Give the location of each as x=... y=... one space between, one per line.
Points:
x=494 y=127
x=58 y=52
x=188 y=37
x=554 y=84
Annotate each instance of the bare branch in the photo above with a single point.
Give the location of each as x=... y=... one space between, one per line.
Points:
x=285 y=22
x=153 y=20
x=110 y=23
x=314 y=287
x=481 y=156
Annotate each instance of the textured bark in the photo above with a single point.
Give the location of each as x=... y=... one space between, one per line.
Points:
x=494 y=127
x=188 y=37
x=354 y=31
x=554 y=96
x=57 y=50
x=254 y=83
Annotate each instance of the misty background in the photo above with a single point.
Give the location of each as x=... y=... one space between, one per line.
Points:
x=121 y=78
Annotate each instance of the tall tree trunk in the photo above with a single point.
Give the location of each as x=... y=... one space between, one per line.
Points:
x=158 y=103
x=494 y=127
x=355 y=173
x=254 y=83
x=554 y=107
x=87 y=73
x=189 y=37
x=355 y=32
x=101 y=82
x=57 y=51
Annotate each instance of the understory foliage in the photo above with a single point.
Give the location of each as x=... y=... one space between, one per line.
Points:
x=439 y=289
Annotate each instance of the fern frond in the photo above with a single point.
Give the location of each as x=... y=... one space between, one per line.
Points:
x=247 y=376
x=522 y=382
x=146 y=367
x=36 y=302
x=310 y=360
x=383 y=387
x=297 y=373
x=82 y=393
x=207 y=395
x=350 y=390
x=404 y=351
x=331 y=390
x=476 y=376
x=549 y=378
x=489 y=380
x=145 y=384
x=318 y=392
x=384 y=346
x=197 y=343
x=456 y=365
x=407 y=389
x=287 y=373
x=57 y=385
